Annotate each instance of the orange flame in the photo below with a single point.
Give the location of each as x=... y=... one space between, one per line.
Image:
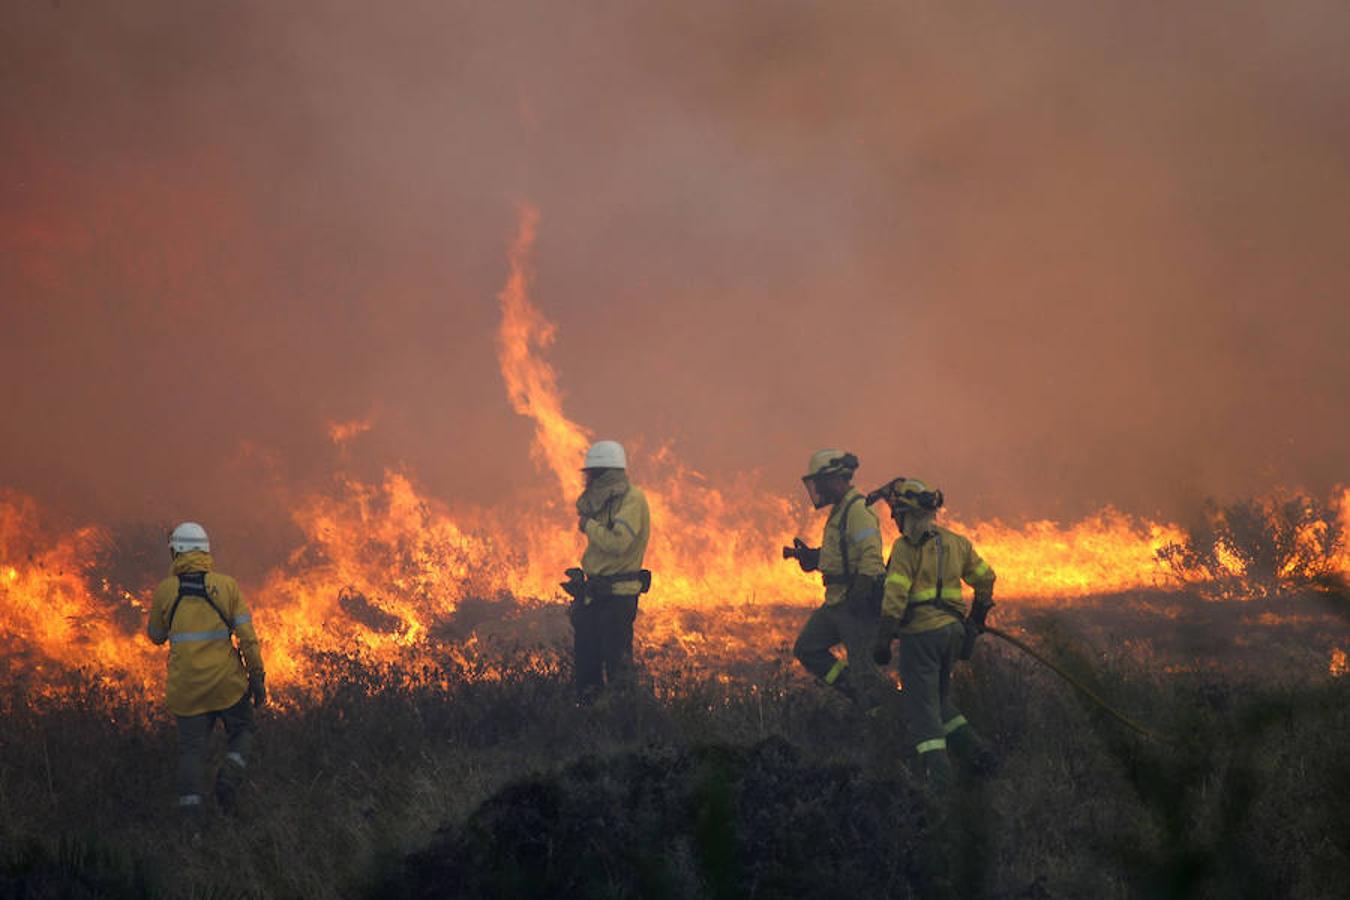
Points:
x=1105 y=553
x=718 y=544
x=56 y=614
x=384 y=572
x=342 y=433
x=530 y=383
x=380 y=566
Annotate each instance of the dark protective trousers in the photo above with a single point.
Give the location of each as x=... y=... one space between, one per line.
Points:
x=194 y=733
x=603 y=648
x=926 y=661
x=831 y=625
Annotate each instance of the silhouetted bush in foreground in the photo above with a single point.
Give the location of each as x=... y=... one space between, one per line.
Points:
x=714 y=821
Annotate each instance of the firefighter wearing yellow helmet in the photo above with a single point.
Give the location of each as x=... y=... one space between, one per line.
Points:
x=923 y=606
x=215 y=665
x=612 y=513
x=849 y=560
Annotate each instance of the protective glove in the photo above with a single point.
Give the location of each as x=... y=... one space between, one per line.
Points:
x=257 y=688
x=807 y=557
x=974 y=623
x=979 y=608
x=887 y=631
x=575 y=585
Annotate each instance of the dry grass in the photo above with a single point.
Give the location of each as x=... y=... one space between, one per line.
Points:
x=1253 y=800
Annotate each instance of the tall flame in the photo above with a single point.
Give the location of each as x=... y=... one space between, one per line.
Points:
x=531 y=383
x=716 y=544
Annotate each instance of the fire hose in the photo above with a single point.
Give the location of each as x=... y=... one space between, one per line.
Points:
x=1080 y=686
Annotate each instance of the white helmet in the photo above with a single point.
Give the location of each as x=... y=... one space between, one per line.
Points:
x=606 y=455
x=189 y=536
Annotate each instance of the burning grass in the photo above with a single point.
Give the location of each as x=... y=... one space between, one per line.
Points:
x=421 y=709
x=392 y=577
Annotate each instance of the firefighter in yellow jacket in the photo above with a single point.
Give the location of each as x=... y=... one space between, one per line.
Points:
x=923 y=606
x=612 y=513
x=849 y=560
x=202 y=614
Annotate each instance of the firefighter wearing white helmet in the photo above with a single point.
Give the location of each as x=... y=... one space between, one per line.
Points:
x=612 y=513
x=605 y=455
x=923 y=606
x=215 y=665
x=849 y=560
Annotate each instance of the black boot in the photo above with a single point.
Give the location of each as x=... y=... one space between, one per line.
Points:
x=936 y=769
x=972 y=750
x=190 y=819
x=228 y=780
x=844 y=685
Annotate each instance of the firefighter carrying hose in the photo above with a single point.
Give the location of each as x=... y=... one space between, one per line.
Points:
x=613 y=515
x=202 y=615
x=849 y=560
x=923 y=607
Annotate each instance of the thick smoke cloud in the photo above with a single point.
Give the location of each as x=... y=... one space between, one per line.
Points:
x=1049 y=255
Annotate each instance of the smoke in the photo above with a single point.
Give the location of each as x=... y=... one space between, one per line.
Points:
x=1048 y=256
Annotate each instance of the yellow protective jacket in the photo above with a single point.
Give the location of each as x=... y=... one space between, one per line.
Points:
x=912 y=579
x=206 y=672
x=864 y=546
x=616 y=541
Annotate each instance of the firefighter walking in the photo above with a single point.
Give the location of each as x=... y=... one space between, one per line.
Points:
x=612 y=513
x=201 y=613
x=849 y=560
x=923 y=607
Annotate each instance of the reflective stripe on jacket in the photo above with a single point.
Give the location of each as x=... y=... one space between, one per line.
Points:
x=205 y=671
x=864 y=545
x=619 y=542
x=912 y=578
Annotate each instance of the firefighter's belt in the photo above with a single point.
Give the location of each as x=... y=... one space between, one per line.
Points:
x=603 y=585
x=946 y=606
x=835 y=579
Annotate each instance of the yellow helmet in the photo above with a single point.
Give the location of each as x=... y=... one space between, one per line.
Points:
x=830 y=462
x=906 y=494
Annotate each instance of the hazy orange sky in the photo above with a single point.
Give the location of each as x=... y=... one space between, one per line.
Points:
x=1048 y=255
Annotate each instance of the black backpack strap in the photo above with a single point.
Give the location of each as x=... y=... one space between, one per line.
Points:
x=940 y=550
x=193 y=584
x=843 y=536
x=941 y=563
